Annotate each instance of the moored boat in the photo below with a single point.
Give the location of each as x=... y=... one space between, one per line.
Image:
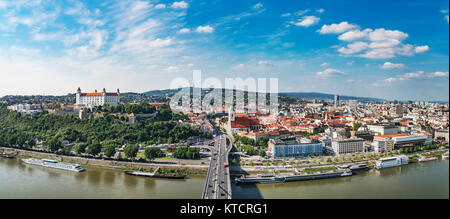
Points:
x=388 y=162
x=445 y=156
x=9 y=156
x=54 y=164
x=155 y=175
x=425 y=159
x=293 y=177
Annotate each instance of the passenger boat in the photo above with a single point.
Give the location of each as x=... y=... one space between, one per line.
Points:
x=292 y=177
x=445 y=156
x=356 y=167
x=155 y=175
x=425 y=159
x=388 y=162
x=54 y=164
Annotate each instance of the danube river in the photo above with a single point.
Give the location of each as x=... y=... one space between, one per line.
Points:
x=19 y=180
x=416 y=180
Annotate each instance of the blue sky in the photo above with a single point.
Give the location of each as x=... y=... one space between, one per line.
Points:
x=385 y=49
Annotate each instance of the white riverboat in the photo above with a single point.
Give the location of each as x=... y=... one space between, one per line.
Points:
x=54 y=164
x=388 y=162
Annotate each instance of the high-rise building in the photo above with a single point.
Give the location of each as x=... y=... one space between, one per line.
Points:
x=336 y=100
x=399 y=109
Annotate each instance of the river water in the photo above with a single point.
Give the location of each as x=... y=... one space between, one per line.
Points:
x=416 y=180
x=19 y=180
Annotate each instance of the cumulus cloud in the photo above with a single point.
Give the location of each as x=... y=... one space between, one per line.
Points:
x=354 y=48
x=372 y=43
x=420 y=49
x=204 y=29
x=337 y=28
x=411 y=76
x=354 y=35
x=184 y=30
x=390 y=65
x=328 y=73
x=307 y=21
x=160 y=6
x=180 y=5
x=325 y=64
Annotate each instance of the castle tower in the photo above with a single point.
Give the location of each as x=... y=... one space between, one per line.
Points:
x=78 y=95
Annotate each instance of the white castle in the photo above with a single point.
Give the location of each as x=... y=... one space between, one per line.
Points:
x=90 y=100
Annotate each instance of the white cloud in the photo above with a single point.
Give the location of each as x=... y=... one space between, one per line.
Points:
x=320 y=10
x=239 y=66
x=372 y=44
x=440 y=74
x=446 y=14
x=184 y=30
x=257 y=6
x=3 y=4
x=351 y=63
x=302 y=12
x=172 y=69
x=265 y=63
x=421 y=49
x=412 y=76
x=182 y=5
x=325 y=64
x=354 y=35
x=354 y=48
x=383 y=35
x=204 y=29
x=337 y=28
x=160 y=6
x=307 y=21
x=329 y=72
x=286 y=15
x=389 y=66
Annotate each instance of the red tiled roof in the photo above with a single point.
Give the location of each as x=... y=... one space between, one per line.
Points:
x=98 y=94
x=244 y=122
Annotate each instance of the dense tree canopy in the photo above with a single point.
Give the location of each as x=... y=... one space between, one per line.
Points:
x=89 y=135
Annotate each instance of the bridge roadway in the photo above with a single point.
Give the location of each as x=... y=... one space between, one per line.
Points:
x=218 y=183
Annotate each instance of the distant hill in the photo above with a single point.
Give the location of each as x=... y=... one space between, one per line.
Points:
x=323 y=96
x=160 y=92
x=303 y=95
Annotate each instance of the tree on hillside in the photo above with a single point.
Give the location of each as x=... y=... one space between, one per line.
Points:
x=80 y=148
x=53 y=144
x=131 y=150
x=152 y=153
x=109 y=150
x=94 y=149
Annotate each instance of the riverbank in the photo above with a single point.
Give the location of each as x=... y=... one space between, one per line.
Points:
x=246 y=170
x=191 y=170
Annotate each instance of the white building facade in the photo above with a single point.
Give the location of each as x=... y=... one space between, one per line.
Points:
x=90 y=100
x=346 y=146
